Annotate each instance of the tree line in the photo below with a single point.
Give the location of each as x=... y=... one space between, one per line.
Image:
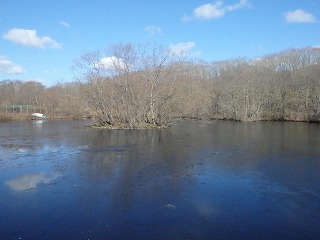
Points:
x=59 y=101
x=148 y=84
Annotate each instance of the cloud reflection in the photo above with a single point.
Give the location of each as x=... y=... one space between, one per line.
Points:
x=29 y=181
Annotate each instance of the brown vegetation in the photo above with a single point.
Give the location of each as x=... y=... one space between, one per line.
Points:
x=135 y=88
x=147 y=85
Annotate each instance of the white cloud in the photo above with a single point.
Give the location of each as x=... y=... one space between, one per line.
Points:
x=65 y=24
x=29 y=38
x=111 y=63
x=216 y=10
x=299 y=16
x=153 y=30
x=184 y=49
x=208 y=11
x=7 y=66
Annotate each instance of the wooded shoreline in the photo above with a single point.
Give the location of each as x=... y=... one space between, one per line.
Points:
x=149 y=86
x=24 y=117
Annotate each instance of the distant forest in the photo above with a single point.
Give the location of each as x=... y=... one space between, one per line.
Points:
x=149 y=85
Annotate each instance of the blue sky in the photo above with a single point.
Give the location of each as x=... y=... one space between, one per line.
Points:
x=41 y=38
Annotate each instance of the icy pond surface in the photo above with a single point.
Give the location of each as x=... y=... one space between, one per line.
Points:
x=195 y=180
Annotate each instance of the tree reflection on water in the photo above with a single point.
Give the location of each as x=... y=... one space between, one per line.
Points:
x=194 y=180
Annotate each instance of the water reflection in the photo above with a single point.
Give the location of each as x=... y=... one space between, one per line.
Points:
x=194 y=180
x=30 y=181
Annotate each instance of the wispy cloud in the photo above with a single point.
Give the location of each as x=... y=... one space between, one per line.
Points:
x=184 y=49
x=153 y=30
x=216 y=10
x=49 y=71
x=29 y=38
x=7 y=66
x=64 y=24
x=299 y=16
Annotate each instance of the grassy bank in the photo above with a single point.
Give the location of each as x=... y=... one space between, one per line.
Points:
x=5 y=117
x=25 y=117
x=14 y=117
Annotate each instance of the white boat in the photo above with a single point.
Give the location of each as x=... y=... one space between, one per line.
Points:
x=38 y=115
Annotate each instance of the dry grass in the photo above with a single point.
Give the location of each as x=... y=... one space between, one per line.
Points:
x=5 y=117
x=14 y=117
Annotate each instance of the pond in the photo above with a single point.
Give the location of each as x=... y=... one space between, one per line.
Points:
x=194 y=180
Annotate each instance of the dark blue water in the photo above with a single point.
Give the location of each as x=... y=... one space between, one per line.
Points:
x=195 y=180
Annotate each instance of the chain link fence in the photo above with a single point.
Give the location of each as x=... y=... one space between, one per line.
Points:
x=18 y=109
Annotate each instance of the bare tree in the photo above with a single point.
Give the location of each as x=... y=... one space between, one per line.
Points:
x=135 y=85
